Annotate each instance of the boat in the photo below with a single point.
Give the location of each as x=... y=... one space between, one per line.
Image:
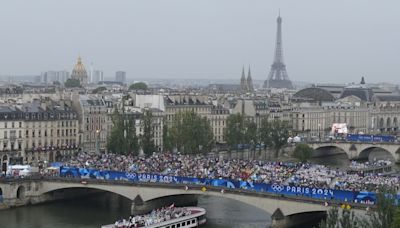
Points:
x=169 y=217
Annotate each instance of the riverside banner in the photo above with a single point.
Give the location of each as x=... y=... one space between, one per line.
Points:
x=283 y=190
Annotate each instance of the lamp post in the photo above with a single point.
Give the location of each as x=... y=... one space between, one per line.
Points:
x=319 y=132
x=97 y=141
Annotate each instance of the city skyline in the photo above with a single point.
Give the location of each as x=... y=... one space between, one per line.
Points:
x=330 y=42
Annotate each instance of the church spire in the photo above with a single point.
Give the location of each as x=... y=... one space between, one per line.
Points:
x=249 y=81
x=243 y=82
x=362 y=81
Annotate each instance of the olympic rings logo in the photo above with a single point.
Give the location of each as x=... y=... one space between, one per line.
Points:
x=277 y=188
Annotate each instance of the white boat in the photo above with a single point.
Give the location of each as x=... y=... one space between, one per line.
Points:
x=183 y=217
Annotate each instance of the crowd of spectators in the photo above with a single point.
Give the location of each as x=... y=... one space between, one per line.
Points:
x=201 y=166
x=318 y=176
x=354 y=165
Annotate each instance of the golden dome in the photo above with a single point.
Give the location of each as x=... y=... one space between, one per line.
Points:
x=79 y=71
x=79 y=67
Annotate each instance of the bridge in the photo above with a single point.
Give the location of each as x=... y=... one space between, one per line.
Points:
x=356 y=150
x=18 y=192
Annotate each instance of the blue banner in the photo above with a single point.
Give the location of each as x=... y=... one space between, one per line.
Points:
x=286 y=190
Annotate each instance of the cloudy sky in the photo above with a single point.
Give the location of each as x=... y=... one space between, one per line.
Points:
x=324 y=41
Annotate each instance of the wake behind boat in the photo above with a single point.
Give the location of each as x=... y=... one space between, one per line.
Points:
x=169 y=217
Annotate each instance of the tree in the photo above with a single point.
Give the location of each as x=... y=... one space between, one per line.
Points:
x=274 y=133
x=331 y=219
x=132 y=141
x=384 y=216
x=116 y=139
x=167 y=143
x=146 y=140
x=99 y=89
x=138 y=86
x=235 y=130
x=190 y=133
x=302 y=152
x=385 y=210
x=251 y=134
x=396 y=220
x=123 y=138
x=347 y=219
x=71 y=82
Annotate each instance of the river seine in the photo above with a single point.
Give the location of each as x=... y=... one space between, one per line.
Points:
x=104 y=208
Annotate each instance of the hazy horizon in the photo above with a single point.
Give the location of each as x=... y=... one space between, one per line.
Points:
x=324 y=42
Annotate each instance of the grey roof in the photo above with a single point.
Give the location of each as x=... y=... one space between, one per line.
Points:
x=387 y=97
x=313 y=95
x=364 y=94
x=91 y=101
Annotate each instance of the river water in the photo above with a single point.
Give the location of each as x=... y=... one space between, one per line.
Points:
x=104 y=208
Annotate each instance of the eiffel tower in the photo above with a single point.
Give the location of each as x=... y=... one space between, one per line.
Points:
x=278 y=77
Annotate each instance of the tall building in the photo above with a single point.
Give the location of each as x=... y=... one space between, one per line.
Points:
x=94 y=115
x=120 y=76
x=54 y=76
x=37 y=132
x=79 y=72
x=96 y=76
x=278 y=77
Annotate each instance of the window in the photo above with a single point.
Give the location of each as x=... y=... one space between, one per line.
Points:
x=20 y=124
x=12 y=124
x=5 y=135
x=5 y=124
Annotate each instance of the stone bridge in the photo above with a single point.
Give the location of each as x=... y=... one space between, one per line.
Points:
x=33 y=191
x=355 y=150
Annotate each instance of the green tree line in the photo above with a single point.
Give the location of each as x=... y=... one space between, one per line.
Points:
x=242 y=130
x=123 y=138
x=188 y=133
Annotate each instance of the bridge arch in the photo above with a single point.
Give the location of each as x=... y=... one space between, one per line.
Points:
x=382 y=153
x=329 y=150
x=56 y=191
x=20 y=192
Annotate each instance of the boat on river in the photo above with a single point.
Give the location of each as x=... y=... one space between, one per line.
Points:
x=169 y=217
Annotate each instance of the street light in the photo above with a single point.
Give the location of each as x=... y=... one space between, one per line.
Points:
x=98 y=141
x=319 y=132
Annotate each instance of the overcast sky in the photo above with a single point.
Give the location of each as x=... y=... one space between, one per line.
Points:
x=324 y=41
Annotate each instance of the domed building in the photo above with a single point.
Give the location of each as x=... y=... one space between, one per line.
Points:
x=79 y=72
x=313 y=95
